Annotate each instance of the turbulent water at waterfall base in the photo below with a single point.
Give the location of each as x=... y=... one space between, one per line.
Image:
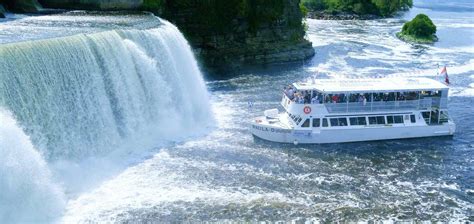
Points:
x=106 y=117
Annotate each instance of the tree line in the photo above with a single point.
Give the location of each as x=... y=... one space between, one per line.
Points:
x=361 y=7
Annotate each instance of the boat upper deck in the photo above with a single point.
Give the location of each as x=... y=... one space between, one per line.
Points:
x=397 y=84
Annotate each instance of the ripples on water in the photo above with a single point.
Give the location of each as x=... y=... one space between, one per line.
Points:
x=229 y=175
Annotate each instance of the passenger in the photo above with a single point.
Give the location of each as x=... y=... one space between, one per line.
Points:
x=307 y=97
x=335 y=98
x=364 y=100
x=315 y=100
x=291 y=93
x=296 y=97
x=301 y=100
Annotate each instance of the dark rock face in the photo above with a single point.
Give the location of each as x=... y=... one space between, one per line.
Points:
x=238 y=46
x=23 y=6
x=2 y=11
x=93 y=4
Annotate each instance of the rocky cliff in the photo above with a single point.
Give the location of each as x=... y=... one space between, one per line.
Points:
x=263 y=34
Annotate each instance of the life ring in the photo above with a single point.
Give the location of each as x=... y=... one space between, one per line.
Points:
x=307 y=109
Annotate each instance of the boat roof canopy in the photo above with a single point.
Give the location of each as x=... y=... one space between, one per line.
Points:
x=370 y=85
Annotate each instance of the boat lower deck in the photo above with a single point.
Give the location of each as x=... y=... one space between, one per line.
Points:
x=277 y=132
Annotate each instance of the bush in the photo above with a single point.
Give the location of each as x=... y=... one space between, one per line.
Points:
x=377 y=7
x=420 y=26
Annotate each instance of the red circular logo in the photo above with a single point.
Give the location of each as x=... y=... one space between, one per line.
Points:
x=307 y=110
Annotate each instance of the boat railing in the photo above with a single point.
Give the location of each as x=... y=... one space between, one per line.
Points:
x=379 y=106
x=347 y=107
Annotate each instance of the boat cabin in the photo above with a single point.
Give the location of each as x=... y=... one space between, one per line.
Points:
x=328 y=98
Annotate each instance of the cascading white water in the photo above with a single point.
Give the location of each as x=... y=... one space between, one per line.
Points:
x=27 y=191
x=85 y=96
x=90 y=94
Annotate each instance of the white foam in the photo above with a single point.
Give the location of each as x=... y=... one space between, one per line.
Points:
x=28 y=191
x=160 y=180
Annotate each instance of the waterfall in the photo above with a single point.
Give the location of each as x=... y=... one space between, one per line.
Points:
x=90 y=94
x=86 y=96
x=28 y=193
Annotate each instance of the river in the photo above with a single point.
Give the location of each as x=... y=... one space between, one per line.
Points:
x=209 y=167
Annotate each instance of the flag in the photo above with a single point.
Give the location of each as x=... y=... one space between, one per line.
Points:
x=445 y=73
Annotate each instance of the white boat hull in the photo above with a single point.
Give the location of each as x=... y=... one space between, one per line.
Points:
x=342 y=134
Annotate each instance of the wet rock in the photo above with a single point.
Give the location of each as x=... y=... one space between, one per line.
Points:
x=2 y=11
x=25 y=6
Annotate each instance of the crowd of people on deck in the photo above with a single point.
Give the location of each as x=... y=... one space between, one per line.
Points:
x=314 y=97
x=303 y=97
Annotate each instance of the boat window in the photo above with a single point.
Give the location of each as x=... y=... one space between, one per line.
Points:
x=316 y=122
x=353 y=121
x=338 y=121
x=413 y=118
x=305 y=123
x=389 y=119
x=398 y=119
x=380 y=120
x=377 y=120
x=372 y=120
x=325 y=122
x=334 y=122
x=357 y=121
x=343 y=121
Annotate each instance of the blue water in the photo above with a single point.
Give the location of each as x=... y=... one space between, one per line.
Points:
x=228 y=175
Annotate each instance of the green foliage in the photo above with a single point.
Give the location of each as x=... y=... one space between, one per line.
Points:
x=152 y=5
x=377 y=7
x=421 y=26
x=304 y=10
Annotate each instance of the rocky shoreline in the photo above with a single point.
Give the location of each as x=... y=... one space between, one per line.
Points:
x=417 y=40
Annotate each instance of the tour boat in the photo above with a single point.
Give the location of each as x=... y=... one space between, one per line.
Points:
x=352 y=110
